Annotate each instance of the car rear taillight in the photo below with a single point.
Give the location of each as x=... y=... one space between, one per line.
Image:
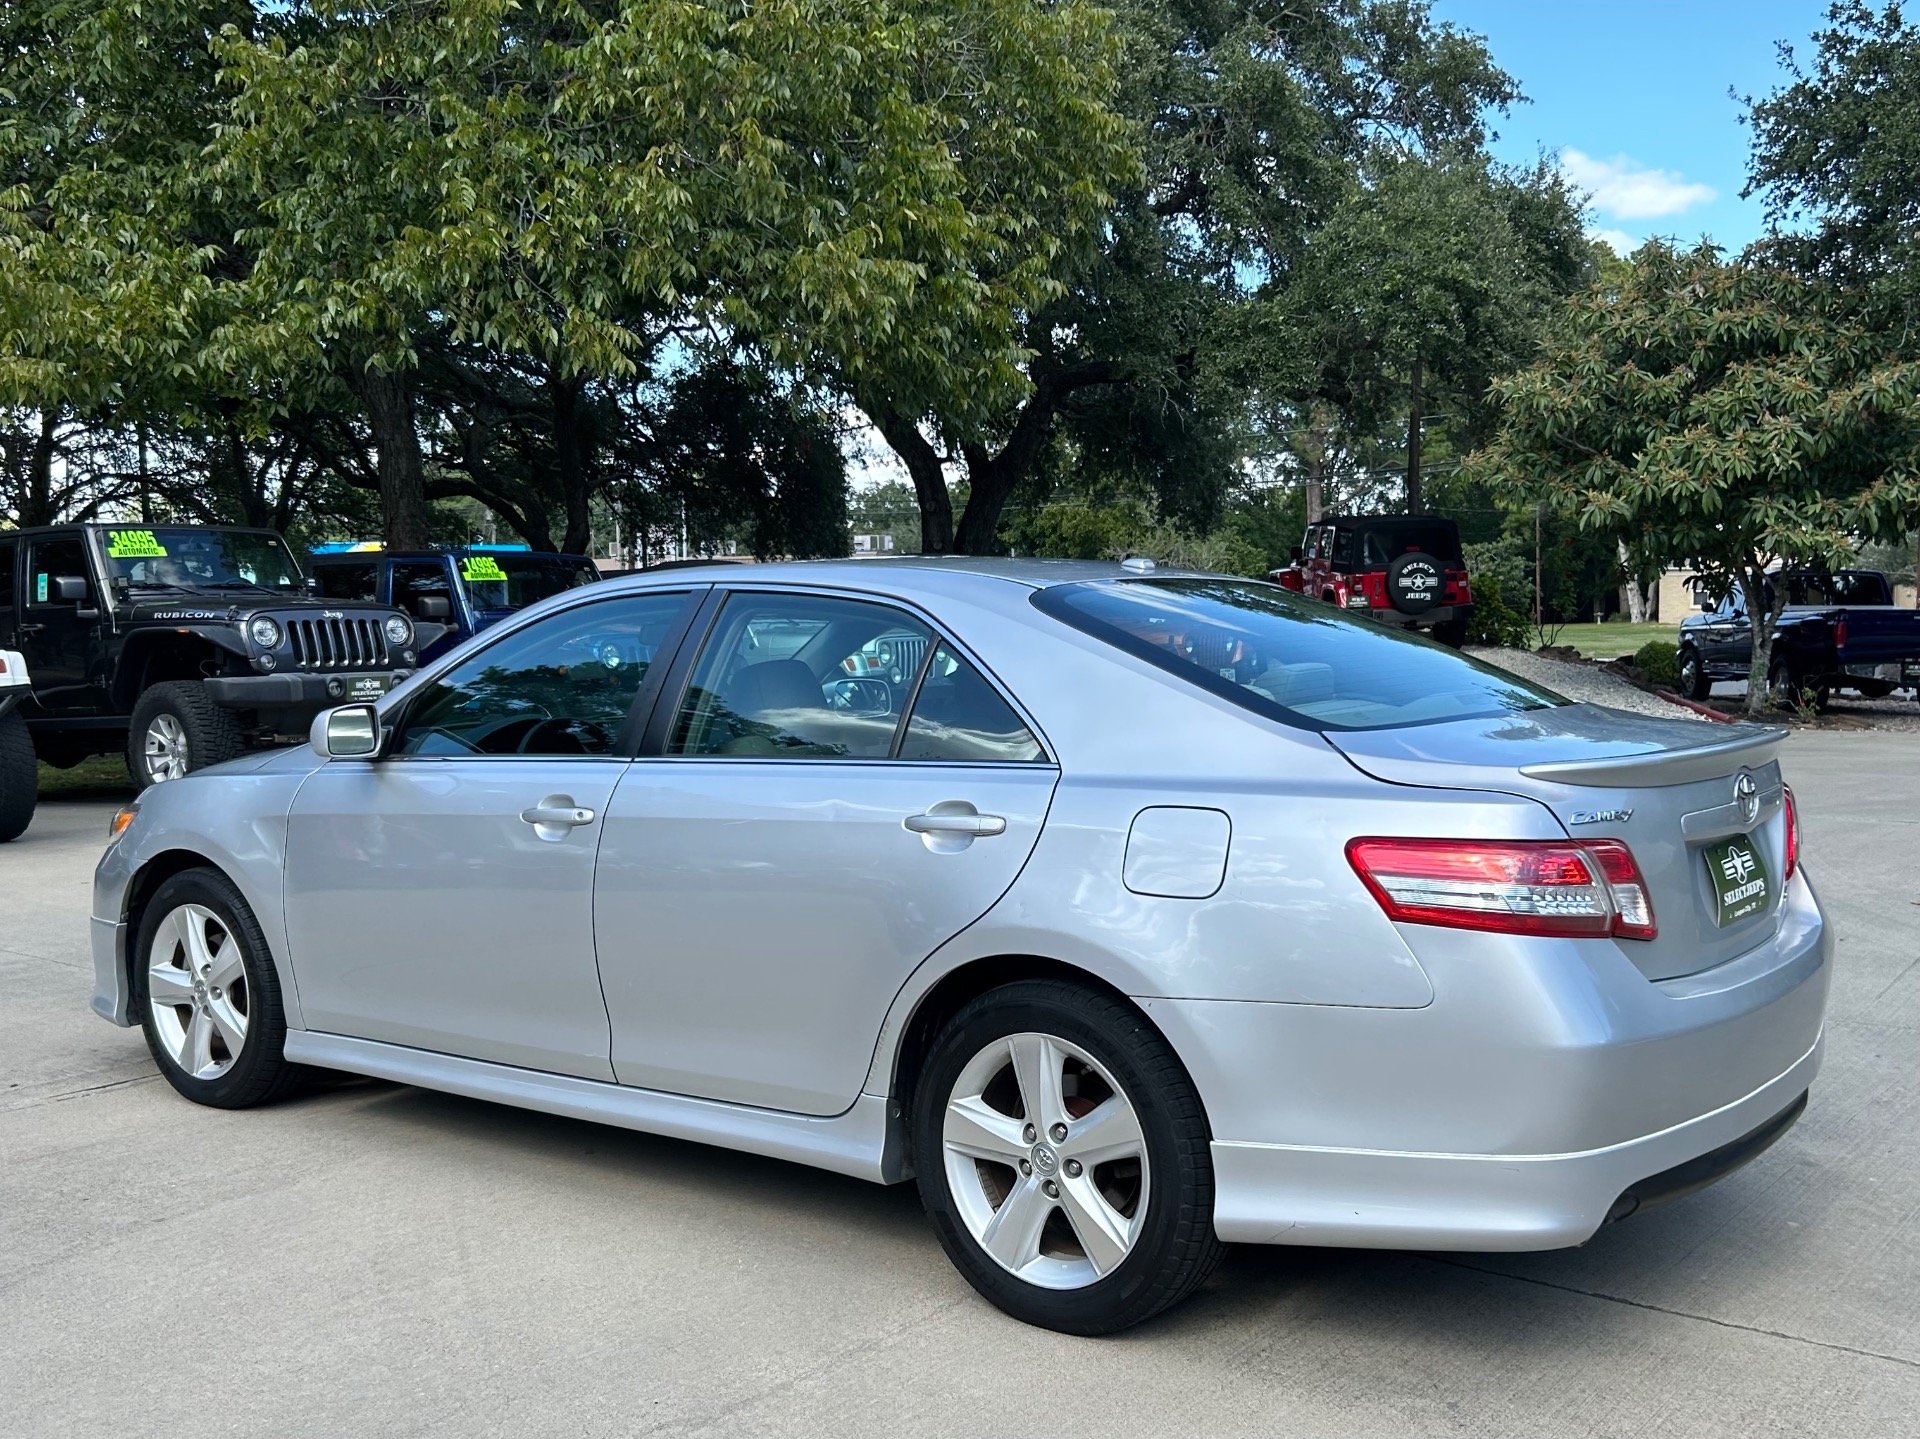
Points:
x=1793 y=831
x=1840 y=633
x=1511 y=886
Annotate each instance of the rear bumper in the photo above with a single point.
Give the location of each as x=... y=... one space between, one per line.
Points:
x=1438 y=615
x=1371 y=1199
x=1544 y=1082
x=309 y=692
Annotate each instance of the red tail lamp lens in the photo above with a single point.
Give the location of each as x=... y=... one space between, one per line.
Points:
x=1793 y=831
x=1544 y=887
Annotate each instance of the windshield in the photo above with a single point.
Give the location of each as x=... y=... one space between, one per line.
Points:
x=514 y=581
x=1290 y=659
x=164 y=557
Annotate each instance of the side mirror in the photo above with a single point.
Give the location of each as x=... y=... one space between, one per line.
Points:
x=1298 y=554
x=70 y=590
x=312 y=585
x=348 y=732
x=432 y=607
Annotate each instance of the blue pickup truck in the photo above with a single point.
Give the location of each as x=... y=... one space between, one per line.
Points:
x=1839 y=631
x=466 y=588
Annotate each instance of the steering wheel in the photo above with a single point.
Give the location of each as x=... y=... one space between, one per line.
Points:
x=567 y=736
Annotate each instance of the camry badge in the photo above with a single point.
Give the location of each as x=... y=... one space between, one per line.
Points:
x=1746 y=794
x=1600 y=816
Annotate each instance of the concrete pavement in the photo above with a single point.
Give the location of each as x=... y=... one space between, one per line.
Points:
x=371 y=1259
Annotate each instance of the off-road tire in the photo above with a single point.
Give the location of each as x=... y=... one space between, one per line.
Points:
x=1691 y=677
x=1451 y=633
x=19 y=775
x=212 y=734
x=260 y=1073
x=1177 y=1248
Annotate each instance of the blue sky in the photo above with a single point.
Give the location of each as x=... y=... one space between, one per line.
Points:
x=1632 y=96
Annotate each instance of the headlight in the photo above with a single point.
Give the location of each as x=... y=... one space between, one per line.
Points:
x=399 y=629
x=265 y=632
x=885 y=654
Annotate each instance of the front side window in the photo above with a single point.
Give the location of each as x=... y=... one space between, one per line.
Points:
x=162 y=557
x=1342 y=549
x=563 y=686
x=1265 y=649
x=789 y=676
x=49 y=561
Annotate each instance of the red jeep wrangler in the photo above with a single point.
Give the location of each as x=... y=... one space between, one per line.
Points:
x=1402 y=570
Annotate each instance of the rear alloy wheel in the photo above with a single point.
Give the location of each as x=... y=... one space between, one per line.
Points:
x=177 y=729
x=207 y=994
x=1694 y=684
x=1063 y=1158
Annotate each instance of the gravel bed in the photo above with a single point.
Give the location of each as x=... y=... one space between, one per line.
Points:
x=1589 y=682
x=1583 y=681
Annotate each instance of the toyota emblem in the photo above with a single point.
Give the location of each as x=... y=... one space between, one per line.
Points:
x=1746 y=794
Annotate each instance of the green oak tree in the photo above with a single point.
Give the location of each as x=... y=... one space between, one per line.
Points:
x=1728 y=416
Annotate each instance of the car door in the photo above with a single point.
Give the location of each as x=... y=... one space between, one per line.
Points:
x=59 y=635
x=798 y=843
x=442 y=897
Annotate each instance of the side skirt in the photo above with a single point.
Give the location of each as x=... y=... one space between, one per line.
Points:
x=868 y=1141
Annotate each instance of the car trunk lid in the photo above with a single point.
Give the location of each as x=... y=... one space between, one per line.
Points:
x=1672 y=790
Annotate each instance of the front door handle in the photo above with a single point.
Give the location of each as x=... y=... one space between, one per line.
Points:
x=28 y=629
x=555 y=815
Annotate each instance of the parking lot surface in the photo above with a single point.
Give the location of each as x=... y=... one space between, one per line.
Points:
x=372 y=1259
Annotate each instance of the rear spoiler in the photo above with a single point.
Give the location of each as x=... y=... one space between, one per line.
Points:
x=1662 y=767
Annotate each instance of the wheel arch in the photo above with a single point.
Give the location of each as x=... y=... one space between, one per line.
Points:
x=156 y=869
x=898 y=1066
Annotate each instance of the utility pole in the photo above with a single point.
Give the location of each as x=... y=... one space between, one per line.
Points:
x=1415 y=418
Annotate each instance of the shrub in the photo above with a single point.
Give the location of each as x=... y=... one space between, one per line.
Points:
x=1659 y=660
x=1496 y=577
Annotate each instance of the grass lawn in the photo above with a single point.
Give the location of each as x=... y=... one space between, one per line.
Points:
x=1607 y=642
x=102 y=777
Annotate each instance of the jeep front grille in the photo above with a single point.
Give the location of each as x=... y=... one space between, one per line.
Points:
x=343 y=644
x=908 y=651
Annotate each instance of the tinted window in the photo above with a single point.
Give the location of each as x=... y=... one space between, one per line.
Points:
x=1848 y=587
x=50 y=560
x=791 y=676
x=959 y=716
x=562 y=686
x=414 y=582
x=1385 y=541
x=348 y=582
x=1267 y=649
x=1342 y=549
x=8 y=549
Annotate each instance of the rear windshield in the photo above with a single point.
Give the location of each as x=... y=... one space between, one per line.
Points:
x=1847 y=587
x=1383 y=542
x=1288 y=658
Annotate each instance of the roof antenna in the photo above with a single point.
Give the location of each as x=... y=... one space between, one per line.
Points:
x=1139 y=564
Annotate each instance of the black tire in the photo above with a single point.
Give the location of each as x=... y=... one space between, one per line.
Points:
x=1785 y=689
x=259 y=1073
x=1452 y=633
x=19 y=776
x=1415 y=582
x=1693 y=681
x=208 y=733
x=1176 y=1248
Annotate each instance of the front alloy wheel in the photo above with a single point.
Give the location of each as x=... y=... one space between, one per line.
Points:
x=197 y=991
x=1064 y=1157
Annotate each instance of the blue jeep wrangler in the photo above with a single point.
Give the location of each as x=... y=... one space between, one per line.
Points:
x=467 y=588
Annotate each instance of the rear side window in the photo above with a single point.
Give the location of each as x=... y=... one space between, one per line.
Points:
x=958 y=716
x=415 y=582
x=347 y=582
x=50 y=560
x=1269 y=651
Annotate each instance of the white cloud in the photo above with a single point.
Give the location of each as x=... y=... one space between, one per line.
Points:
x=1629 y=191
x=1619 y=241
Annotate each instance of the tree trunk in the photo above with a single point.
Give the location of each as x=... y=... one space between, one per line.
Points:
x=1763 y=614
x=37 y=505
x=388 y=397
x=567 y=445
x=1635 y=592
x=928 y=474
x=1415 y=416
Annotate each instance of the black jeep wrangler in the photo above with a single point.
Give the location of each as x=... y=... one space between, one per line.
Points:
x=182 y=644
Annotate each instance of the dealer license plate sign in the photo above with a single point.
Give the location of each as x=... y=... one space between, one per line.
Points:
x=1741 y=885
x=367 y=687
x=1910 y=670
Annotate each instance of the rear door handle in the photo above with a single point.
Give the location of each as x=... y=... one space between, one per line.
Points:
x=555 y=815
x=28 y=629
x=956 y=817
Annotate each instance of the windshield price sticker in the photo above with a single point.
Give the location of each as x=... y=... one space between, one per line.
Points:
x=1740 y=882
x=481 y=567
x=134 y=545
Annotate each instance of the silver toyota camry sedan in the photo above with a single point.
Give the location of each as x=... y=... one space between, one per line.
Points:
x=1130 y=913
